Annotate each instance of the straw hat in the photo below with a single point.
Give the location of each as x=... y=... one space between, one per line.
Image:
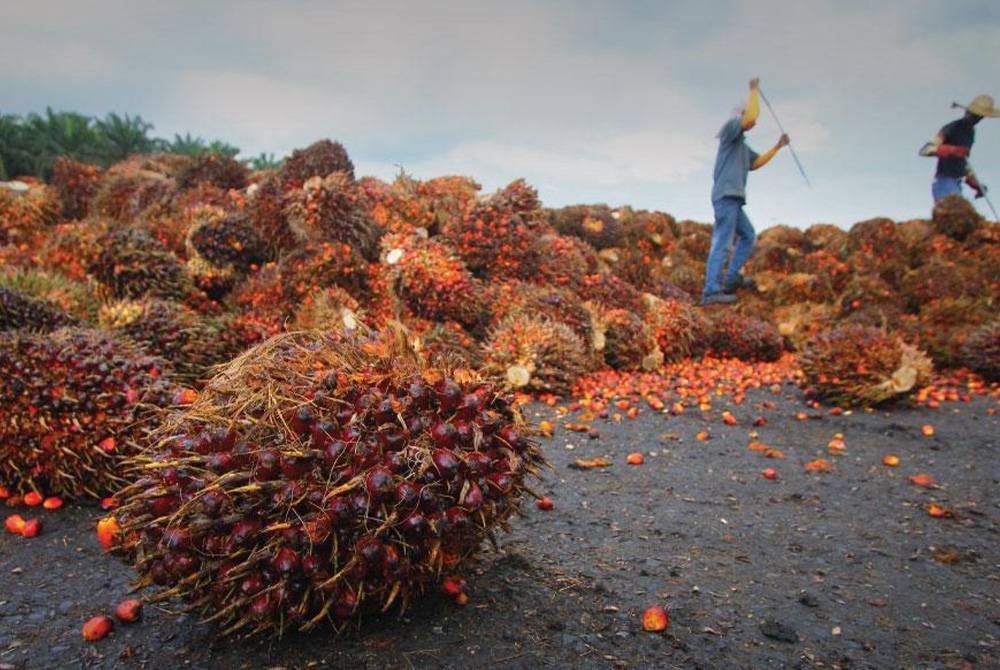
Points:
x=981 y=105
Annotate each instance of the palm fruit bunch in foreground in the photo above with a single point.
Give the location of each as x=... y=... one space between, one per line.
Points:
x=982 y=351
x=745 y=337
x=537 y=353
x=862 y=365
x=75 y=401
x=955 y=217
x=320 y=477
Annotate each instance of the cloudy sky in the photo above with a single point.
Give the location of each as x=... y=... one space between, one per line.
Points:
x=614 y=102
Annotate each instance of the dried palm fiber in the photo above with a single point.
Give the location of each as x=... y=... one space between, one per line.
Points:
x=955 y=217
x=535 y=353
x=75 y=402
x=319 y=478
x=861 y=365
x=748 y=338
x=679 y=327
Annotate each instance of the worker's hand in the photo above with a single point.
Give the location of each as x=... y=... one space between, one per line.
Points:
x=755 y=82
x=783 y=141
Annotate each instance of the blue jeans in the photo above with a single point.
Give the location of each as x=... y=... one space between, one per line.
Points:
x=943 y=186
x=730 y=223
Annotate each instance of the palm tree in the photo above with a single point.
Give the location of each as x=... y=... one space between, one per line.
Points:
x=61 y=134
x=124 y=136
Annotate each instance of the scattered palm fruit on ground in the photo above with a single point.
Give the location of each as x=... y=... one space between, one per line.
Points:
x=97 y=627
x=320 y=477
x=77 y=400
x=129 y=611
x=655 y=619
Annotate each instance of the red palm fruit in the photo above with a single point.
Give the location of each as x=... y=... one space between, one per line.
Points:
x=33 y=498
x=415 y=525
x=301 y=421
x=500 y=483
x=456 y=518
x=369 y=550
x=511 y=438
x=449 y=395
x=477 y=464
x=32 y=527
x=545 y=503
x=391 y=438
x=268 y=461
x=286 y=561
x=444 y=434
x=378 y=482
x=407 y=494
x=293 y=467
x=463 y=434
x=97 y=628
x=251 y=584
x=322 y=433
x=338 y=510
x=345 y=604
x=446 y=463
x=221 y=462
x=314 y=566
x=213 y=503
x=176 y=538
x=418 y=394
x=453 y=585
x=655 y=619
x=129 y=611
x=473 y=498
x=245 y=530
x=333 y=452
x=14 y=524
x=107 y=531
x=263 y=606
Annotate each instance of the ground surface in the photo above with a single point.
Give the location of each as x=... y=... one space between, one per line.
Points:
x=843 y=569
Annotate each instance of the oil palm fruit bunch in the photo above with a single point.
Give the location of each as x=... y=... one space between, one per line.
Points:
x=801 y=321
x=169 y=330
x=561 y=260
x=982 y=351
x=75 y=402
x=318 y=265
x=827 y=236
x=26 y=216
x=434 y=283
x=536 y=353
x=955 y=217
x=595 y=224
x=559 y=304
x=123 y=194
x=317 y=160
x=320 y=477
x=226 y=239
x=862 y=365
x=612 y=291
x=76 y=184
x=22 y=311
x=495 y=235
x=78 y=300
x=679 y=327
x=72 y=247
x=329 y=209
x=444 y=343
x=629 y=342
x=266 y=207
x=877 y=249
x=132 y=264
x=941 y=277
x=224 y=172
x=748 y=338
x=944 y=325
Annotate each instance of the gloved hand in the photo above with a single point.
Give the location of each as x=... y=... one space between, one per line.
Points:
x=974 y=184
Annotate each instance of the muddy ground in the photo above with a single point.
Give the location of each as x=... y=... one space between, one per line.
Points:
x=842 y=569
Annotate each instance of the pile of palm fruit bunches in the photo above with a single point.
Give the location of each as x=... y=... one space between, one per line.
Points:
x=300 y=385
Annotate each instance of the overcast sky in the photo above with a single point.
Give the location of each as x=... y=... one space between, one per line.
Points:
x=614 y=102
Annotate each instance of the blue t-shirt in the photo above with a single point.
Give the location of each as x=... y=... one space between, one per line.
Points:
x=732 y=163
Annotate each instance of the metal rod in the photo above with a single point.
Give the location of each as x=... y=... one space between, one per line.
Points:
x=790 y=147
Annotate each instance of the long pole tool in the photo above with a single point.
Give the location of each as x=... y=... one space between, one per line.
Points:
x=790 y=147
x=986 y=197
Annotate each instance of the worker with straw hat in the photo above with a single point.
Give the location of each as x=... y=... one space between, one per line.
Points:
x=733 y=229
x=952 y=145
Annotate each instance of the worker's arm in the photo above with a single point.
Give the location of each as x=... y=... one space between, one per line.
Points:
x=937 y=148
x=765 y=157
x=752 y=110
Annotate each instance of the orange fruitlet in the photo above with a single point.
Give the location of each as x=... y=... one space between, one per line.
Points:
x=890 y=460
x=702 y=435
x=938 y=511
x=32 y=527
x=98 y=627
x=545 y=503
x=588 y=463
x=635 y=458
x=107 y=530
x=769 y=473
x=4 y=493
x=819 y=465
x=52 y=502
x=655 y=619
x=33 y=498
x=927 y=430
x=129 y=611
x=545 y=428
x=922 y=479
x=14 y=524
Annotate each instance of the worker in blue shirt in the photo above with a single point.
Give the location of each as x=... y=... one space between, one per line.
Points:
x=732 y=163
x=951 y=146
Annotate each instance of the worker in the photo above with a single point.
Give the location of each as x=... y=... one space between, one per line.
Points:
x=952 y=145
